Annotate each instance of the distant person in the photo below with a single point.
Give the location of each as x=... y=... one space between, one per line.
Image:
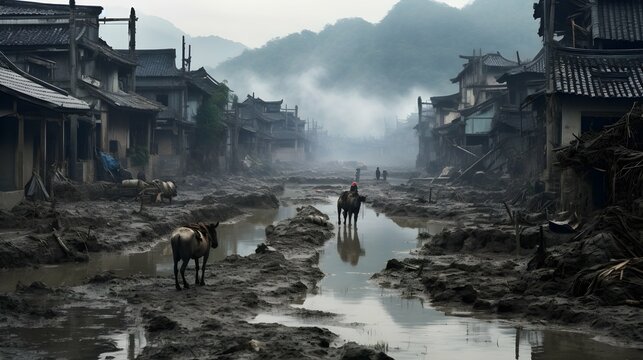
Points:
x=357 y=172
x=353 y=190
x=353 y=187
x=377 y=174
x=384 y=175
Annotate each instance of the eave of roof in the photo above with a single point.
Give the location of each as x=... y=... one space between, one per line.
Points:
x=124 y=100
x=613 y=74
x=15 y=82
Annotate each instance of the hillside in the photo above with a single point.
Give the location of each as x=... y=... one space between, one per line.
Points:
x=416 y=45
x=157 y=33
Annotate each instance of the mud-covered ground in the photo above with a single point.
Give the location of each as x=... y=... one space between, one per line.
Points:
x=477 y=265
x=200 y=322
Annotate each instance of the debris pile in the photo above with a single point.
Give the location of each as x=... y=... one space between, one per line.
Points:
x=615 y=154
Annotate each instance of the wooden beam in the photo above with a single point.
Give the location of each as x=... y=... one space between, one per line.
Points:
x=20 y=153
x=43 y=150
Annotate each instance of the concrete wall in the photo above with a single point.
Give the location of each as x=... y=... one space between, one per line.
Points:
x=573 y=110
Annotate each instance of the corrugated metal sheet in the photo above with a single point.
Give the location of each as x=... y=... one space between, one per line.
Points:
x=30 y=90
x=599 y=74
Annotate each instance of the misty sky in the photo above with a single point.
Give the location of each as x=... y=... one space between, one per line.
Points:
x=251 y=22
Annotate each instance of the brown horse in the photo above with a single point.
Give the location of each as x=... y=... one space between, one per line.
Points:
x=192 y=242
x=349 y=202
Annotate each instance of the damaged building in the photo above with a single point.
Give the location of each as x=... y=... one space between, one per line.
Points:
x=593 y=79
x=60 y=44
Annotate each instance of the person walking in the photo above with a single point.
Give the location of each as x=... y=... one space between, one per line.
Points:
x=377 y=174
x=384 y=175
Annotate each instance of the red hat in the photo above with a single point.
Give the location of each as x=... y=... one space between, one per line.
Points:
x=354 y=183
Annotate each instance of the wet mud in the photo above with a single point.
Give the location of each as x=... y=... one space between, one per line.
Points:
x=479 y=265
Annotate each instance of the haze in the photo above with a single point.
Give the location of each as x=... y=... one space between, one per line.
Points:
x=252 y=22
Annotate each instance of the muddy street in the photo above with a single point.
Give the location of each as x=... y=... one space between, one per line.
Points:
x=318 y=289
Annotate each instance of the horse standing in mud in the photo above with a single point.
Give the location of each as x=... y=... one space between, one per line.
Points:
x=350 y=202
x=192 y=242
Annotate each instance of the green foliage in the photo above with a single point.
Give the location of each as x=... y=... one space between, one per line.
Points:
x=210 y=130
x=416 y=45
x=139 y=156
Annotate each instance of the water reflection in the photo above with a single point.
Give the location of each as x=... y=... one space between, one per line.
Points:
x=349 y=248
x=411 y=328
x=83 y=333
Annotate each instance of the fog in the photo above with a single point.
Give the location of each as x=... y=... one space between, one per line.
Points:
x=352 y=125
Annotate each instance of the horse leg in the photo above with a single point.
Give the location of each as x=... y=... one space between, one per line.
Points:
x=339 y=215
x=176 y=273
x=355 y=216
x=350 y=215
x=177 y=257
x=345 y=213
x=196 y=265
x=183 y=266
x=205 y=260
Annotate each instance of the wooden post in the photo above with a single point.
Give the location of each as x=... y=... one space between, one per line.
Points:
x=43 y=150
x=517 y=228
x=430 y=194
x=20 y=153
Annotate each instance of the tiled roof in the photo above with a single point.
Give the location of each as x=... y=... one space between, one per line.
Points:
x=34 y=35
x=446 y=100
x=618 y=20
x=599 y=73
x=54 y=35
x=155 y=63
x=29 y=8
x=537 y=65
x=125 y=100
x=21 y=86
x=489 y=60
x=201 y=79
x=497 y=60
x=105 y=50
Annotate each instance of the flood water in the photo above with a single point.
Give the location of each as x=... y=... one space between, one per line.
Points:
x=405 y=328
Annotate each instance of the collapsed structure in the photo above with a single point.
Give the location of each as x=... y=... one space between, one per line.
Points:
x=511 y=117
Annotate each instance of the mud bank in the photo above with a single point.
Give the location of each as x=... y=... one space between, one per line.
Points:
x=84 y=219
x=480 y=266
x=209 y=321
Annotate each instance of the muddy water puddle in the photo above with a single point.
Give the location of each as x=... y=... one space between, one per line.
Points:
x=406 y=328
x=101 y=331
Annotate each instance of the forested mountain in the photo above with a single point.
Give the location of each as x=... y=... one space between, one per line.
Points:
x=415 y=46
x=157 y=33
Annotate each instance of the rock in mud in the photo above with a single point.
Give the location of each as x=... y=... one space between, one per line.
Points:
x=352 y=351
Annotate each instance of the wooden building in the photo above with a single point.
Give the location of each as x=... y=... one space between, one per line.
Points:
x=594 y=75
x=181 y=92
x=34 y=128
x=59 y=44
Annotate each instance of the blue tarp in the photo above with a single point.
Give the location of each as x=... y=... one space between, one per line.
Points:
x=110 y=163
